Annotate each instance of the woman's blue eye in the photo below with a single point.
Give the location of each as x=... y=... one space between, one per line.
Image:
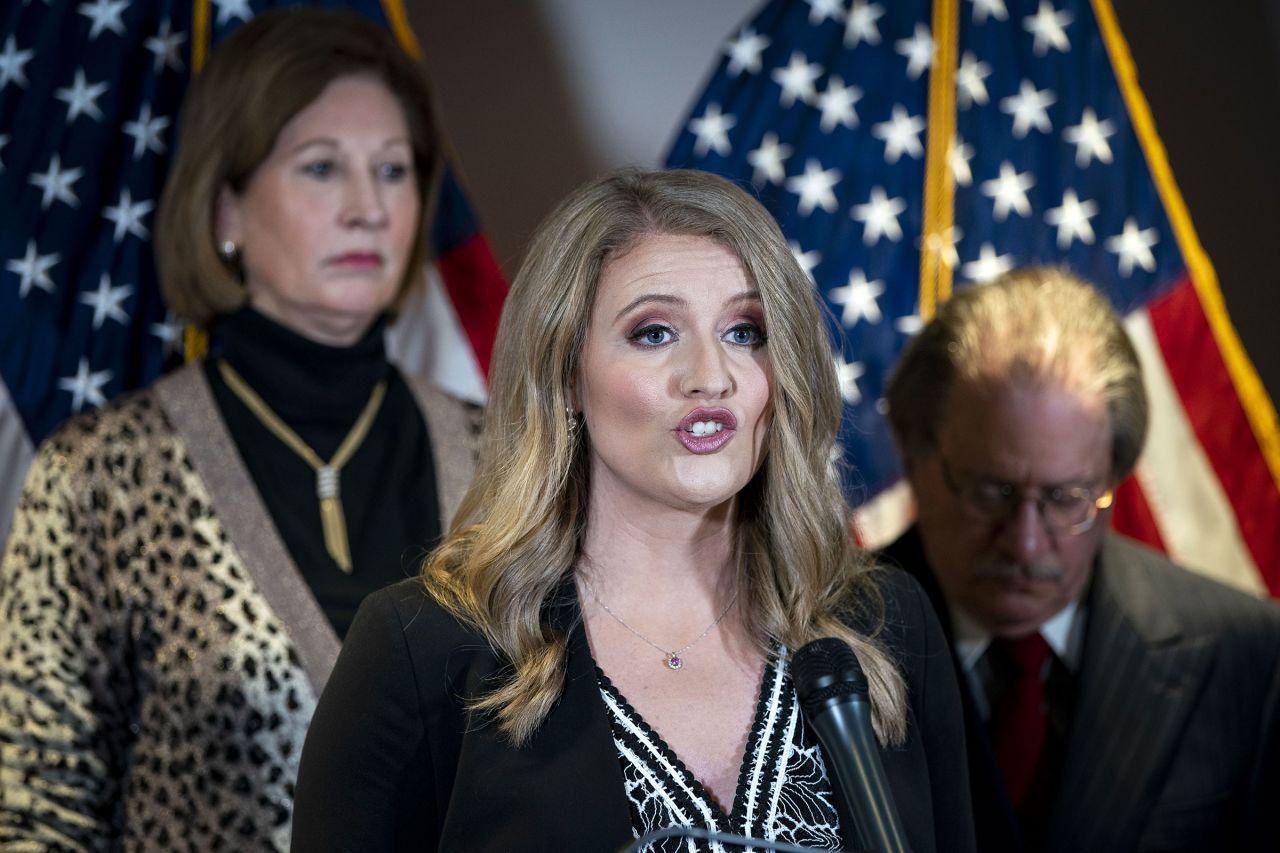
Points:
x=746 y=334
x=319 y=168
x=394 y=172
x=653 y=335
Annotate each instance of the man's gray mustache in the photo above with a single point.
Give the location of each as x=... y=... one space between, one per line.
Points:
x=1004 y=570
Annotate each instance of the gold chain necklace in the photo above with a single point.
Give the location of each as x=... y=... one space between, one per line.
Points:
x=671 y=659
x=332 y=517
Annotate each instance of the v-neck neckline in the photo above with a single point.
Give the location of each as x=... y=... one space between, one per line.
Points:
x=772 y=675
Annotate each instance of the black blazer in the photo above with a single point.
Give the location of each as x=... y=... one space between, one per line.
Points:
x=1174 y=741
x=392 y=761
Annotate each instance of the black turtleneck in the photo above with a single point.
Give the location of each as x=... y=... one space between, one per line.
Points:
x=388 y=485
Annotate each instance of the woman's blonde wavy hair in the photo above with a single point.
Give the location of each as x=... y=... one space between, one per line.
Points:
x=518 y=531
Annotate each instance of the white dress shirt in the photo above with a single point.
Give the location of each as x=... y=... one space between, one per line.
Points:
x=1064 y=632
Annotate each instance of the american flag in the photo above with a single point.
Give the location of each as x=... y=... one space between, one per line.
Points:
x=907 y=145
x=89 y=96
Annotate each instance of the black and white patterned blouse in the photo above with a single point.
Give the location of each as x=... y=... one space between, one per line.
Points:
x=783 y=791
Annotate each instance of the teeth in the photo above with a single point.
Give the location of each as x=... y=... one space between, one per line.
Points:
x=706 y=427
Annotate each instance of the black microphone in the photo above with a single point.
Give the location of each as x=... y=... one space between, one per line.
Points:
x=833 y=695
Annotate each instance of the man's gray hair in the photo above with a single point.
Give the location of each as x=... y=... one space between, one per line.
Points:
x=1038 y=324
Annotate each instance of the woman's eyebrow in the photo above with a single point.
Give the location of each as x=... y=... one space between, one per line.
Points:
x=663 y=298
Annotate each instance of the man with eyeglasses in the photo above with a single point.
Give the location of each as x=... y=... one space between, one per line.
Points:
x=1113 y=701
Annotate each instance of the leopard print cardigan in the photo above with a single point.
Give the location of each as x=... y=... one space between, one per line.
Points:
x=160 y=655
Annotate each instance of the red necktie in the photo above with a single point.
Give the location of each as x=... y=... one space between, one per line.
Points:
x=1020 y=719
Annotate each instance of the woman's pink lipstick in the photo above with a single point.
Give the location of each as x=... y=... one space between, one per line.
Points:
x=358 y=260
x=713 y=441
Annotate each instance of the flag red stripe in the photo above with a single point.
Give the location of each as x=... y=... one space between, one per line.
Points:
x=1216 y=416
x=476 y=287
x=1132 y=514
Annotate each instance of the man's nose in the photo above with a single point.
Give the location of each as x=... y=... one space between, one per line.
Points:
x=1024 y=535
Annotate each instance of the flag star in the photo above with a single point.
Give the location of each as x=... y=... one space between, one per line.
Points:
x=879 y=217
x=820 y=10
x=958 y=157
x=989 y=265
x=106 y=302
x=909 y=324
x=970 y=88
x=168 y=330
x=745 y=52
x=901 y=135
x=1072 y=219
x=918 y=50
x=796 y=80
x=849 y=373
x=104 y=15
x=4 y=140
x=82 y=98
x=228 y=9
x=164 y=45
x=837 y=105
x=1009 y=191
x=768 y=160
x=57 y=184
x=712 y=130
x=994 y=8
x=1047 y=26
x=860 y=25
x=1134 y=247
x=13 y=64
x=85 y=386
x=806 y=260
x=1090 y=138
x=127 y=216
x=815 y=187
x=1029 y=109
x=858 y=299
x=943 y=244
x=146 y=132
x=33 y=268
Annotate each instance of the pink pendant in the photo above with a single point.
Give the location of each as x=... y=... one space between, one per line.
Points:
x=673 y=661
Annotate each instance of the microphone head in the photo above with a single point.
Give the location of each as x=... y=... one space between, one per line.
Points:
x=827 y=671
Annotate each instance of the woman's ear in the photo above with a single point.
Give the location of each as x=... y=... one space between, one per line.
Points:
x=227 y=225
x=573 y=395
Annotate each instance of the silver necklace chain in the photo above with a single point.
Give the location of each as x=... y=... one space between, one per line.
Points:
x=672 y=659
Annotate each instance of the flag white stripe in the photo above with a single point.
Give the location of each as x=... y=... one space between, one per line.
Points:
x=1190 y=507
x=16 y=453
x=428 y=342
x=886 y=516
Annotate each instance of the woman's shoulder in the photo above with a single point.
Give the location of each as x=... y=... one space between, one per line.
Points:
x=126 y=427
x=890 y=597
x=407 y=615
x=443 y=407
x=897 y=613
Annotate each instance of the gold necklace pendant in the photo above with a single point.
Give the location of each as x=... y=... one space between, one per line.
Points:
x=332 y=517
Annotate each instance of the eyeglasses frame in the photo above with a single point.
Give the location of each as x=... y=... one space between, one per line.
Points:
x=1038 y=494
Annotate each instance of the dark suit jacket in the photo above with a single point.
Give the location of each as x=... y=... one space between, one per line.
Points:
x=392 y=761
x=1174 y=741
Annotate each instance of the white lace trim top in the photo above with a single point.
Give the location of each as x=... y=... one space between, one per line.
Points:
x=783 y=792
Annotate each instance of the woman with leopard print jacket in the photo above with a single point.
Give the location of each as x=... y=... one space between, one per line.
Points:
x=184 y=562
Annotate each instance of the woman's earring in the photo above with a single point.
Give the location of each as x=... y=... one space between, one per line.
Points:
x=573 y=422
x=228 y=250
